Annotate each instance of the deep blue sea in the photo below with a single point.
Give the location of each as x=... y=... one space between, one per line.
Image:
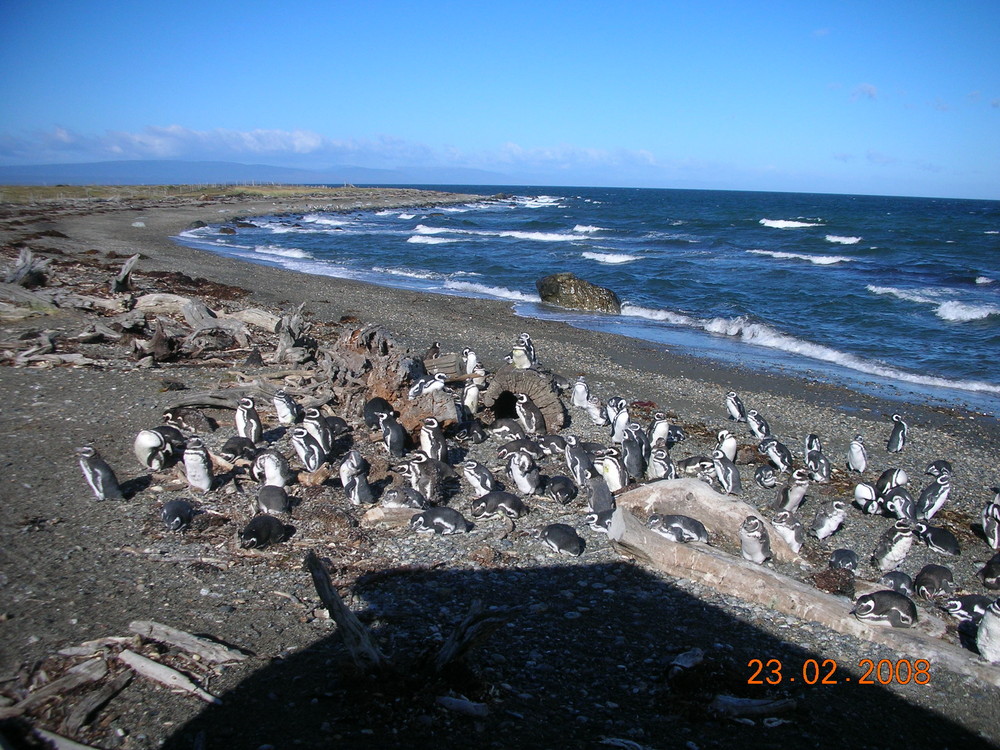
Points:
x=894 y=295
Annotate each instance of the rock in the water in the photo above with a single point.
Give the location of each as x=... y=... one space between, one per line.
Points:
x=568 y=290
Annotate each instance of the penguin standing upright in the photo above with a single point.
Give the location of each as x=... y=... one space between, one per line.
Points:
x=755 y=544
x=988 y=634
x=99 y=475
x=857 y=456
x=581 y=393
x=432 y=441
x=727 y=473
x=897 y=438
x=248 y=424
x=734 y=405
x=529 y=415
x=287 y=410
x=198 y=465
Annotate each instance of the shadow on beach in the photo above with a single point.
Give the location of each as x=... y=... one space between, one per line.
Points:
x=586 y=662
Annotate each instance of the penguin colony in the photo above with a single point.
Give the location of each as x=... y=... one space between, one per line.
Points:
x=533 y=466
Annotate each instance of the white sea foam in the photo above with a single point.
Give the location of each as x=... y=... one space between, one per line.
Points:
x=516 y=234
x=904 y=294
x=985 y=280
x=945 y=306
x=407 y=217
x=424 y=229
x=422 y=239
x=538 y=201
x=960 y=312
x=819 y=260
x=841 y=240
x=325 y=221
x=667 y=316
x=611 y=258
x=587 y=229
x=284 y=252
x=992 y=231
x=408 y=273
x=788 y=224
x=491 y=291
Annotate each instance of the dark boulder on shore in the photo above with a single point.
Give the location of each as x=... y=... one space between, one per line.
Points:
x=568 y=290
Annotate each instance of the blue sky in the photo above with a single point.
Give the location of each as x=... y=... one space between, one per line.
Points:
x=899 y=98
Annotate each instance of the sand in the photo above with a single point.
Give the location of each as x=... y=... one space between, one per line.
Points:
x=73 y=570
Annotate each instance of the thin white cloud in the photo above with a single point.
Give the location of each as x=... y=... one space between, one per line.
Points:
x=865 y=91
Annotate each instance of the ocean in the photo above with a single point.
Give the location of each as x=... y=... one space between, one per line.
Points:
x=896 y=296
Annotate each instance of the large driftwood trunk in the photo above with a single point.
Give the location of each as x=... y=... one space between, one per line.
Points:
x=759 y=584
x=537 y=385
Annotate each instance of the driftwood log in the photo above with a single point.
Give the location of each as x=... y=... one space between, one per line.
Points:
x=508 y=381
x=123 y=281
x=759 y=584
x=209 y=651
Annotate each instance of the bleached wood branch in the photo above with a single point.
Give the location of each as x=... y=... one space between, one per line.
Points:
x=165 y=675
x=208 y=650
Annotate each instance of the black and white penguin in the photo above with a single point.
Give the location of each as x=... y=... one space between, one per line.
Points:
x=159 y=447
x=596 y=412
x=358 y=491
x=789 y=527
x=938 y=467
x=899 y=502
x=177 y=515
x=898 y=581
x=933 y=497
x=373 y=408
x=99 y=474
x=678 y=528
x=581 y=393
x=272 y=499
x=551 y=445
x=897 y=437
x=426 y=385
x=886 y=608
x=198 y=465
x=308 y=449
x=658 y=429
x=759 y=426
x=675 y=435
x=498 y=503
x=469 y=360
x=314 y=421
x=519 y=357
x=990 y=520
x=857 y=455
x=471 y=431
x=660 y=466
x=262 y=531
x=755 y=543
x=846 y=559
x=271 y=467
x=525 y=341
x=892 y=477
x=600 y=522
x=791 y=494
x=966 y=607
x=727 y=473
x=529 y=415
x=829 y=519
x=866 y=498
x=614 y=405
x=989 y=574
x=527 y=446
x=819 y=466
x=561 y=538
x=734 y=405
x=506 y=429
x=248 y=423
x=939 y=539
x=777 y=452
x=634 y=454
x=766 y=476
x=470 y=398
x=893 y=546
x=561 y=489
x=238 y=448
x=599 y=495
x=524 y=473
x=432 y=441
x=726 y=442
x=578 y=461
x=440 y=520
x=612 y=467
x=620 y=423
x=404 y=497
x=479 y=477
x=352 y=465
x=394 y=436
x=933 y=581
x=286 y=408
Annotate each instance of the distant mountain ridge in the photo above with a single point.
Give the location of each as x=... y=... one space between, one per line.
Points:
x=170 y=172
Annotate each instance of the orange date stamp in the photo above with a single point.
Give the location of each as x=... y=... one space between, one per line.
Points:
x=824 y=672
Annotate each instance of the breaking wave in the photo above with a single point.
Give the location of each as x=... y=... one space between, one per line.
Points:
x=819 y=260
x=498 y=292
x=610 y=258
x=837 y=239
x=788 y=224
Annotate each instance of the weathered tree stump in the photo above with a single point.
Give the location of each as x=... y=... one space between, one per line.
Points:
x=508 y=381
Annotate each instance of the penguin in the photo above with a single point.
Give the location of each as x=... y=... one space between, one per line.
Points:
x=353 y=465
x=433 y=351
x=425 y=385
x=828 y=519
x=520 y=358
x=394 y=437
x=524 y=473
x=314 y=421
x=660 y=466
x=177 y=515
x=933 y=497
x=198 y=465
x=938 y=467
x=248 y=424
x=432 y=440
x=619 y=423
x=440 y=520
x=529 y=347
x=967 y=607
x=793 y=492
x=599 y=496
x=479 y=375
x=633 y=455
x=989 y=574
x=695 y=465
x=581 y=393
x=529 y=415
x=897 y=438
x=470 y=360
x=990 y=520
x=846 y=559
x=734 y=405
x=728 y=474
x=506 y=429
x=562 y=539
x=285 y=407
x=789 y=527
x=893 y=546
x=271 y=467
x=820 y=469
x=471 y=432
x=99 y=475
x=889 y=479
x=933 y=581
x=866 y=498
x=675 y=435
x=551 y=445
x=901 y=504
x=496 y=503
x=578 y=461
x=600 y=522
x=612 y=468
x=373 y=408
x=779 y=454
x=727 y=444
x=404 y=497
x=596 y=412
x=678 y=528
x=659 y=427
x=857 y=456
x=189 y=420
x=766 y=476
x=470 y=398
x=358 y=491
x=262 y=531
x=527 y=446
x=158 y=449
x=272 y=499
x=886 y=608
x=614 y=405
x=898 y=581
x=561 y=489
x=635 y=433
x=759 y=426
x=755 y=544
x=813 y=443
x=938 y=539
x=308 y=449
x=237 y=448
x=479 y=478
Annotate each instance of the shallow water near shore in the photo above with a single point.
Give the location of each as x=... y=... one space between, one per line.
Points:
x=895 y=296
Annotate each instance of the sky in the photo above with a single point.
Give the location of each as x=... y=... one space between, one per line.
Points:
x=889 y=98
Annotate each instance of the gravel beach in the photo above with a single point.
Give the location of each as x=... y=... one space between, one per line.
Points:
x=585 y=660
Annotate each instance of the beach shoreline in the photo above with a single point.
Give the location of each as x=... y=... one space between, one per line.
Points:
x=682 y=384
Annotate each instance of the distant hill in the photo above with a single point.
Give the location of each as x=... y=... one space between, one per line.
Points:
x=168 y=172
